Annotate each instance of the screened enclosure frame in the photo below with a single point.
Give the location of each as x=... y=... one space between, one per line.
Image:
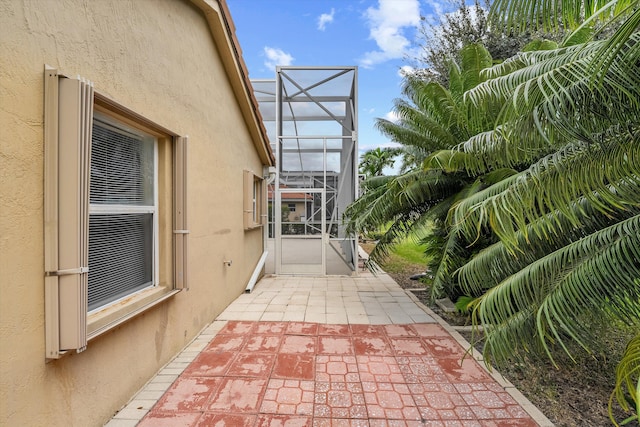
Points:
x=310 y=114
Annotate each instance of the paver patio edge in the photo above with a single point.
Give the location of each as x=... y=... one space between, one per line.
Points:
x=526 y=404
x=143 y=400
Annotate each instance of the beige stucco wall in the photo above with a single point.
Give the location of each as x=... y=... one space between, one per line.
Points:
x=158 y=58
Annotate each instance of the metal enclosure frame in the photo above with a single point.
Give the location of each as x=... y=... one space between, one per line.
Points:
x=310 y=114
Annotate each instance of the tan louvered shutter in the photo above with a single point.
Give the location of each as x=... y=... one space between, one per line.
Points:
x=68 y=121
x=180 y=228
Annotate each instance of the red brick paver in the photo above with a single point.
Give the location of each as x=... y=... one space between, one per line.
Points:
x=277 y=374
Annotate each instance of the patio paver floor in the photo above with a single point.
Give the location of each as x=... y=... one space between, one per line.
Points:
x=260 y=373
x=305 y=374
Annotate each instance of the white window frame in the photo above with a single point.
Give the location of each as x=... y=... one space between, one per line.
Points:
x=253 y=200
x=130 y=209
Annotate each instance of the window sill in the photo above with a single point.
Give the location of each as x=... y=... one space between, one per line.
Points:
x=253 y=227
x=109 y=317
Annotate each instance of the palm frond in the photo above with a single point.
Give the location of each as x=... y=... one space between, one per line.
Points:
x=456 y=84
x=453 y=246
x=447 y=161
x=406 y=194
x=518 y=69
x=628 y=379
x=420 y=131
x=555 y=90
x=596 y=273
x=608 y=175
x=466 y=217
x=614 y=48
x=376 y=181
x=576 y=15
x=541 y=44
x=550 y=16
x=514 y=337
x=474 y=58
x=497 y=262
x=502 y=148
x=582 y=34
x=453 y=255
x=354 y=216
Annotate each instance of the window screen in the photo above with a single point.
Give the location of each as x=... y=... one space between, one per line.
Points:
x=122 y=210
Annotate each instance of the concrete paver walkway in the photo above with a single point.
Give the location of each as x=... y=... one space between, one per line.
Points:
x=327 y=351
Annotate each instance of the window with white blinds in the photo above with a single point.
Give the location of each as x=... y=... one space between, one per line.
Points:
x=122 y=212
x=122 y=166
x=103 y=237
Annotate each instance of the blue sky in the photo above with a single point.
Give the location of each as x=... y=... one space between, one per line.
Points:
x=375 y=35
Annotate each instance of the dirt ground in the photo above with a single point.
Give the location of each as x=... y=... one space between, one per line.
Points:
x=574 y=395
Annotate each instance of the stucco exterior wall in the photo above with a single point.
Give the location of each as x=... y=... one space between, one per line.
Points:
x=159 y=59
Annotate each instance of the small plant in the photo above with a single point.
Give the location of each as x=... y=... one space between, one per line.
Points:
x=464 y=304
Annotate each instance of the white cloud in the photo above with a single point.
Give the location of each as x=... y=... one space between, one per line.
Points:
x=325 y=18
x=406 y=70
x=387 y=26
x=392 y=117
x=438 y=8
x=275 y=57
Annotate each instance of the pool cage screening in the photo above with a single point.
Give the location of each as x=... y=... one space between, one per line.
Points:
x=310 y=114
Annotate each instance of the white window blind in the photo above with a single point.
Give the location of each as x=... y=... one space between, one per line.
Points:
x=120 y=256
x=122 y=166
x=123 y=211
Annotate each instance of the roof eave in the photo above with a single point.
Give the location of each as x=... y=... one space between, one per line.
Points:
x=221 y=25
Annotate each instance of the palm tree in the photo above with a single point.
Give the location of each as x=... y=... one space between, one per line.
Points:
x=565 y=207
x=568 y=225
x=374 y=161
x=433 y=120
